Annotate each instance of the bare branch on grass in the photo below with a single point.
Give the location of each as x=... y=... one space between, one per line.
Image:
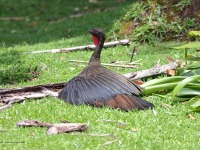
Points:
x=157 y=70
x=86 y=47
x=13 y=18
x=57 y=128
x=104 y=64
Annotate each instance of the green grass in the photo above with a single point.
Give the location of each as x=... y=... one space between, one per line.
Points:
x=168 y=129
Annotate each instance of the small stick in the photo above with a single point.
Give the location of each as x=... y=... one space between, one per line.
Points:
x=110 y=142
x=100 y=135
x=13 y=18
x=113 y=65
x=33 y=123
x=5 y=106
x=86 y=47
x=112 y=121
x=133 y=54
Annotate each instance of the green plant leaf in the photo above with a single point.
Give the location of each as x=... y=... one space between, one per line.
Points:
x=194 y=103
x=193 y=59
x=183 y=83
x=181 y=99
x=192 y=72
x=188 y=92
x=194 y=65
x=194 y=33
x=157 y=88
x=163 y=80
x=195 y=45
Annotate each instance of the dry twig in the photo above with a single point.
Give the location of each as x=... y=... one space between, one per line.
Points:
x=86 y=47
x=54 y=128
x=13 y=18
x=104 y=64
x=157 y=70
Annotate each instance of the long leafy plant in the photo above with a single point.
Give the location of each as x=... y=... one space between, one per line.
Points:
x=185 y=85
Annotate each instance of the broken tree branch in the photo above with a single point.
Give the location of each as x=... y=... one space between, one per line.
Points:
x=33 y=123
x=86 y=47
x=13 y=18
x=5 y=106
x=157 y=70
x=54 y=128
x=104 y=64
x=66 y=128
x=8 y=97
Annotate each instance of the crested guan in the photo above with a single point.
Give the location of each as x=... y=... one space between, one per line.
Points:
x=98 y=86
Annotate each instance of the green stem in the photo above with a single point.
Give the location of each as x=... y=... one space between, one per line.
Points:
x=186 y=53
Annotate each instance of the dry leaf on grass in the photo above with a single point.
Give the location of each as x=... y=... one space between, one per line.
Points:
x=191 y=117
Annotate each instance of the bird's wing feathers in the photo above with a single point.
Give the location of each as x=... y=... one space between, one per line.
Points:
x=100 y=86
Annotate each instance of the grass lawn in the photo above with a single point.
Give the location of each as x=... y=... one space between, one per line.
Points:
x=49 y=25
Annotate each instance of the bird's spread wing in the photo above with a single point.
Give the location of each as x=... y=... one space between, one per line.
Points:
x=99 y=87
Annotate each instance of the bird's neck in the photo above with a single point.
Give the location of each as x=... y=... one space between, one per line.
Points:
x=95 y=58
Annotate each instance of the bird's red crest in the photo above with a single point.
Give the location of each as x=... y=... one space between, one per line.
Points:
x=96 y=40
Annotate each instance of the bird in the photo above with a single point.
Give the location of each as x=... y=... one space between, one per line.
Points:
x=98 y=86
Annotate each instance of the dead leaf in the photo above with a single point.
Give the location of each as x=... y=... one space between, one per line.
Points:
x=166 y=106
x=62 y=58
x=170 y=72
x=32 y=133
x=135 y=129
x=139 y=82
x=121 y=124
x=191 y=117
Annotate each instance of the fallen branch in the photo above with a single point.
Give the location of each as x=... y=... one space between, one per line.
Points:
x=33 y=123
x=157 y=70
x=5 y=106
x=86 y=47
x=13 y=18
x=54 y=128
x=8 y=97
x=104 y=64
x=66 y=128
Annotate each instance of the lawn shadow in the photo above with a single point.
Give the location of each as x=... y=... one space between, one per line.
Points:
x=43 y=21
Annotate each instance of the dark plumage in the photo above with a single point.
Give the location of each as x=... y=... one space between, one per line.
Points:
x=98 y=86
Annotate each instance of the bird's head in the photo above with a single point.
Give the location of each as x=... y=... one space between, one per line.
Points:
x=98 y=35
